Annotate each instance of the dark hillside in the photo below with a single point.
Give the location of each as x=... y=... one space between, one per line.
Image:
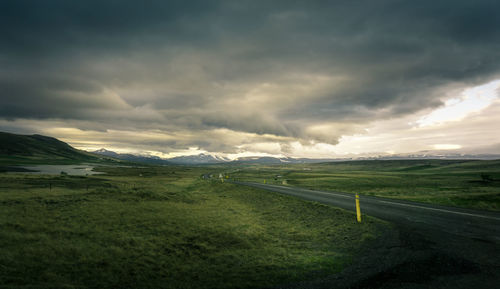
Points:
x=16 y=148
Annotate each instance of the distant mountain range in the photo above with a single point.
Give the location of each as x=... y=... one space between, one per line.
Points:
x=206 y=159
x=285 y=160
x=214 y=159
x=433 y=155
x=185 y=160
x=33 y=149
x=198 y=159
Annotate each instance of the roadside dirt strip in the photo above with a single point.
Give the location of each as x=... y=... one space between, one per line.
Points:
x=430 y=246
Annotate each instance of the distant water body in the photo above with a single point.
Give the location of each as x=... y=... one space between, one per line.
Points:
x=74 y=170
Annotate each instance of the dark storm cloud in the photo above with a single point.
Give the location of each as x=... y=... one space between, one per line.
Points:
x=264 y=67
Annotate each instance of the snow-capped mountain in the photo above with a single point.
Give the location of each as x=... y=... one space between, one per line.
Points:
x=185 y=160
x=198 y=159
x=215 y=159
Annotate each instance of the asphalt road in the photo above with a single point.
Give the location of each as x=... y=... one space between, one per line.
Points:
x=468 y=223
x=434 y=247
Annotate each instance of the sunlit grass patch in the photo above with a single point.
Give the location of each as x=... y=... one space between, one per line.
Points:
x=166 y=227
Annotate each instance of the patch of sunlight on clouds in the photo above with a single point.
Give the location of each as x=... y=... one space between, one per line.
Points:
x=472 y=100
x=191 y=151
x=446 y=146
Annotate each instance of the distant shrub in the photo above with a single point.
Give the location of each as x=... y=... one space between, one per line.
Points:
x=486 y=178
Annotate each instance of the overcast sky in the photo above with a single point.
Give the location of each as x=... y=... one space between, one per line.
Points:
x=285 y=78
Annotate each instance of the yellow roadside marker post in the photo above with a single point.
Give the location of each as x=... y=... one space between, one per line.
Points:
x=264 y=181
x=358 y=209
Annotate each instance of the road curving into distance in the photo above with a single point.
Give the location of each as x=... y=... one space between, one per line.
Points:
x=433 y=247
x=475 y=224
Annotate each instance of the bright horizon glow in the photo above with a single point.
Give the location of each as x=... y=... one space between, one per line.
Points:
x=177 y=79
x=460 y=119
x=462 y=124
x=446 y=146
x=472 y=100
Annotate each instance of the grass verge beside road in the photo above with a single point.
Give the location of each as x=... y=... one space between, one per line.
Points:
x=165 y=227
x=469 y=184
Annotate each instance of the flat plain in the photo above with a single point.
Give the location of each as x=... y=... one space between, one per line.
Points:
x=471 y=184
x=166 y=227
x=177 y=227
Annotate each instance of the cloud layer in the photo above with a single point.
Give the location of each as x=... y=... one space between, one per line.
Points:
x=225 y=75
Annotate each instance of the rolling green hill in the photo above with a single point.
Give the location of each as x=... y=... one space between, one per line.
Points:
x=33 y=149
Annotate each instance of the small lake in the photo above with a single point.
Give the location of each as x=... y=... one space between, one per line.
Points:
x=74 y=170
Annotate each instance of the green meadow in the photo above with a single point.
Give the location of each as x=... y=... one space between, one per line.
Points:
x=462 y=183
x=167 y=227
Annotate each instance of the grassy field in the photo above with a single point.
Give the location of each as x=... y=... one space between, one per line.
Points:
x=166 y=227
x=470 y=184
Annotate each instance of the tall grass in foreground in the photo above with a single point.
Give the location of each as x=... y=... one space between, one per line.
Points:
x=165 y=228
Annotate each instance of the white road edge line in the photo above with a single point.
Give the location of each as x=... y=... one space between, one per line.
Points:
x=310 y=191
x=441 y=210
x=325 y=193
x=393 y=203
